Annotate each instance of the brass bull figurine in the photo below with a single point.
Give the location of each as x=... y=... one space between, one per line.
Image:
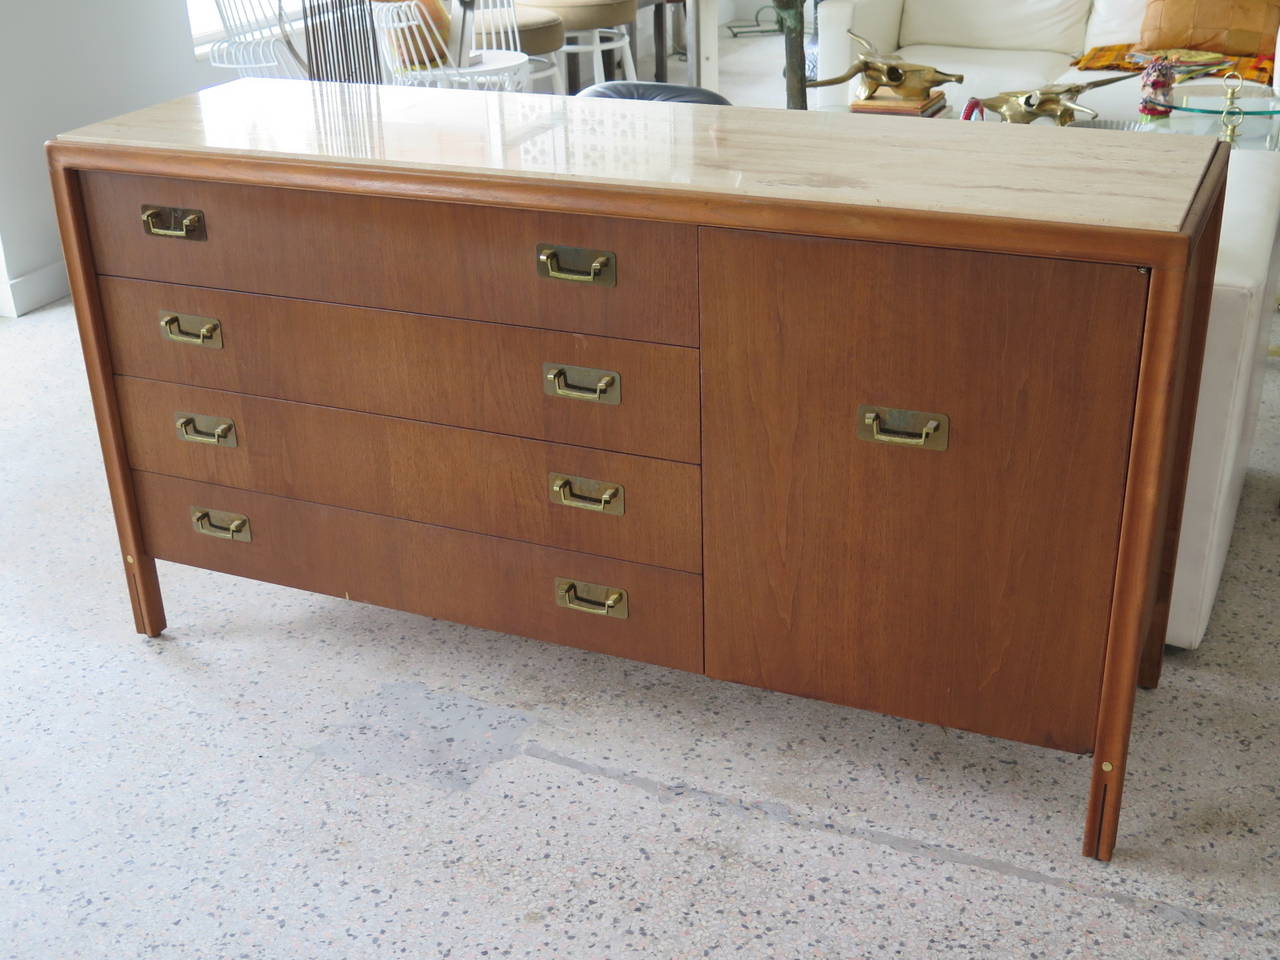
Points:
x=1057 y=100
x=911 y=81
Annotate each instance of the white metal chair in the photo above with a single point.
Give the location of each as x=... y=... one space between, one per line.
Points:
x=417 y=52
x=259 y=40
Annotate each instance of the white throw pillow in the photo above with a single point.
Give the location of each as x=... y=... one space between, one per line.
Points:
x=1114 y=21
x=1056 y=25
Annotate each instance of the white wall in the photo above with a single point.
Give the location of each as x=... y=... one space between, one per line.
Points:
x=65 y=63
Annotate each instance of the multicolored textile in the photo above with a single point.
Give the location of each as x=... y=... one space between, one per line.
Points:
x=1115 y=57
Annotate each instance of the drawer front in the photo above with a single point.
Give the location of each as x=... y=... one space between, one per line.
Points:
x=959 y=573
x=464 y=577
x=453 y=260
x=478 y=375
x=458 y=478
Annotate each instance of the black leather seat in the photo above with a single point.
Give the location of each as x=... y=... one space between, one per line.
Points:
x=646 y=90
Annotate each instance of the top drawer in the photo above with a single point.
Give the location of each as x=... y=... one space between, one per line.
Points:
x=446 y=259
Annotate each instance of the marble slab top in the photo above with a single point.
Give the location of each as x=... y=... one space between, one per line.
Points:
x=1038 y=173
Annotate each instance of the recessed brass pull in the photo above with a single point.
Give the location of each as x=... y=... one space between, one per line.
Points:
x=592 y=598
x=173 y=222
x=904 y=428
x=198 y=331
x=586 y=494
x=582 y=383
x=197 y=428
x=599 y=267
x=224 y=526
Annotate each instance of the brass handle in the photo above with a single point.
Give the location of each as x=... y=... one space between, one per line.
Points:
x=171 y=323
x=559 y=379
x=190 y=225
x=609 y=499
x=222 y=432
x=872 y=420
x=233 y=526
x=572 y=594
x=551 y=260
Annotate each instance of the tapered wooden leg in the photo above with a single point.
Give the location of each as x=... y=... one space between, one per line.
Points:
x=140 y=568
x=1168 y=387
x=144 y=593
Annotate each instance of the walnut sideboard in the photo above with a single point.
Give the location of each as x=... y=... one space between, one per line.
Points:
x=886 y=412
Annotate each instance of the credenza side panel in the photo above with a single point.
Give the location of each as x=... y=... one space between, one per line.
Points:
x=968 y=587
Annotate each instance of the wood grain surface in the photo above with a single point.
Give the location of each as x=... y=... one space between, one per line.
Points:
x=480 y=375
x=139 y=566
x=451 y=260
x=971 y=587
x=482 y=581
x=465 y=479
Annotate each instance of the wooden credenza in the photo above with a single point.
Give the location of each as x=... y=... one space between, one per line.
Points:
x=893 y=414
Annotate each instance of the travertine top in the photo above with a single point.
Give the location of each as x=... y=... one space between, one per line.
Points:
x=1037 y=172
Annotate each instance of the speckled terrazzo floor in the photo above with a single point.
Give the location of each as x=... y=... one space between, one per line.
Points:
x=291 y=776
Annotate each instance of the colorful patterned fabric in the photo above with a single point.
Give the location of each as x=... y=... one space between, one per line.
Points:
x=1114 y=57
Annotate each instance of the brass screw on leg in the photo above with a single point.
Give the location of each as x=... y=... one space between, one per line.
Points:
x=1107 y=766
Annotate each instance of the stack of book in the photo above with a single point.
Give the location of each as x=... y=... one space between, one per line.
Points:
x=885 y=101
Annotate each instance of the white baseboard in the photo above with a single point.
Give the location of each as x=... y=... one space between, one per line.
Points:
x=33 y=289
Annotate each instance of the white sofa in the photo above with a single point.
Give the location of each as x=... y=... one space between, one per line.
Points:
x=1022 y=44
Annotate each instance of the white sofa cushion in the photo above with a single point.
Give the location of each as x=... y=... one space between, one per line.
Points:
x=1114 y=21
x=1056 y=25
x=988 y=72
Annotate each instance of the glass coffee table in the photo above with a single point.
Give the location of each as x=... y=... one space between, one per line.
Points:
x=1247 y=117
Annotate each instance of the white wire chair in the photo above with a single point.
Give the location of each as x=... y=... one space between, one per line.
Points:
x=418 y=50
x=258 y=40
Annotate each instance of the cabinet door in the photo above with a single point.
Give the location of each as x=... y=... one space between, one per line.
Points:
x=971 y=586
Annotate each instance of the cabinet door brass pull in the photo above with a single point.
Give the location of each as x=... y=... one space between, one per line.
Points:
x=183 y=224
x=892 y=436
x=601 y=266
x=224 y=526
x=578 y=492
x=606 y=388
x=209 y=333
x=912 y=428
x=216 y=431
x=576 y=595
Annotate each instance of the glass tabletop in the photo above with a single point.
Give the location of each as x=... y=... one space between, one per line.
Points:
x=1249 y=106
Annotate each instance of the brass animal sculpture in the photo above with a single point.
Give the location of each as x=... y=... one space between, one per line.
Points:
x=1057 y=100
x=911 y=81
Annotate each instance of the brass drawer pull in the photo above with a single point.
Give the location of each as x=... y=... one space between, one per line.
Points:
x=585 y=494
x=606 y=602
x=201 y=429
x=224 y=526
x=600 y=266
x=208 y=332
x=173 y=222
x=598 y=386
x=910 y=428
